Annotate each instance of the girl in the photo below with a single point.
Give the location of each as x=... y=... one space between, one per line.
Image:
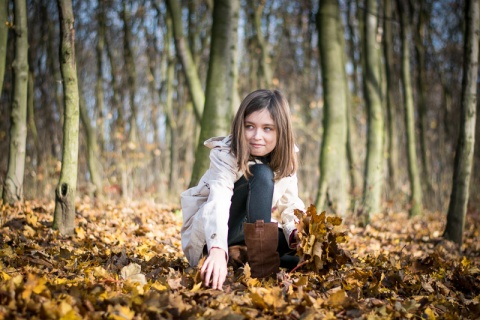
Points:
x=252 y=172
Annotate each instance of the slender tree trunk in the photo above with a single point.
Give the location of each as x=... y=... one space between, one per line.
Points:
x=352 y=160
x=457 y=208
x=32 y=127
x=373 y=183
x=13 y=188
x=447 y=101
x=152 y=54
x=419 y=37
x=31 y=113
x=57 y=106
x=118 y=127
x=131 y=76
x=3 y=40
x=332 y=189
x=235 y=97
x=217 y=90
x=92 y=149
x=352 y=50
x=185 y=56
x=99 y=94
x=266 y=75
x=171 y=119
x=415 y=185
x=64 y=216
x=392 y=145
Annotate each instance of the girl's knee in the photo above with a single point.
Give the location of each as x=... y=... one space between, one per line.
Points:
x=262 y=172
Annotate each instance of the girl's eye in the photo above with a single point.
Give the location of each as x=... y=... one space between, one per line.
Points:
x=249 y=126
x=268 y=129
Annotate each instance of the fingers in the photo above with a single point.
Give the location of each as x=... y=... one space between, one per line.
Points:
x=218 y=278
x=213 y=273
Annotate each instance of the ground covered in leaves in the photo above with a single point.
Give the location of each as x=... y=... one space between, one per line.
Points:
x=125 y=262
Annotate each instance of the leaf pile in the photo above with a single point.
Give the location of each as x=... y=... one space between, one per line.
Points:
x=319 y=237
x=126 y=262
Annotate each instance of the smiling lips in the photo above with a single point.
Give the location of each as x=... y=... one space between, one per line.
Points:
x=257 y=145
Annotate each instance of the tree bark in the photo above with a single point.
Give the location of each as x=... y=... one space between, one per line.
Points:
x=31 y=117
x=373 y=182
x=332 y=189
x=422 y=99
x=57 y=106
x=351 y=45
x=217 y=90
x=171 y=120
x=415 y=185
x=99 y=93
x=457 y=208
x=3 y=40
x=64 y=216
x=13 y=187
x=266 y=75
x=392 y=145
x=234 y=99
x=352 y=159
x=92 y=150
x=185 y=56
x=131 y=77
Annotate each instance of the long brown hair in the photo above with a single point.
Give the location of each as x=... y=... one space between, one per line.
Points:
x=283 y=159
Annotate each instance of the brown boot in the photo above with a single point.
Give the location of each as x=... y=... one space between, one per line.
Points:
x=262 y=242
x=237 y=256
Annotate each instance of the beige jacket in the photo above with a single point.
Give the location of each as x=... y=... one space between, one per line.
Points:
x=206 y=207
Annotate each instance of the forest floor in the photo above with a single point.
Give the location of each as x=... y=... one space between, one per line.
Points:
x=125 y=262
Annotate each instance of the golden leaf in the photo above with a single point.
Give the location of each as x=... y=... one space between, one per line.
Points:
x=196 y=287
x=158 y=286
x=80 y=233
x=132 y=273
x=337 y=297
x=32 y=219
x=119 y=312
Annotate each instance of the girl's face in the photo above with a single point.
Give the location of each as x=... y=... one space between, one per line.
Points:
x=260 y=133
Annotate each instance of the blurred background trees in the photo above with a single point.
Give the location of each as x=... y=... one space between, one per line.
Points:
x=143 y=79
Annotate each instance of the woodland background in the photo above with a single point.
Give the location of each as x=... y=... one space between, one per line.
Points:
x=125 y=55
x=147 y=70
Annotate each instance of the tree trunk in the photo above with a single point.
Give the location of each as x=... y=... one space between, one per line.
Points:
x=3 y=40
x=64 y=216
x=351 y=45
x=332 y=189
x=31 y=117
x=92 y=150
x=57 y=106
x=131 y=77
x=217 y=91
x=171 y=120
x=185 y=56
x=352 y=159
x=415 y=186
x=265 y=70
x=373 y=183
x=13 y=188
x=234 y=96
x=392 y=158
x=457 y=208
x=99 y=94
x=422 y=99
x=118 y=126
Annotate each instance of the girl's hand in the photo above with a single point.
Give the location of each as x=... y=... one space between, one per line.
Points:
x=214 y=268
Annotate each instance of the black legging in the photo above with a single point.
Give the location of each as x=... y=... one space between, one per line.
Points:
x=252 y=201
